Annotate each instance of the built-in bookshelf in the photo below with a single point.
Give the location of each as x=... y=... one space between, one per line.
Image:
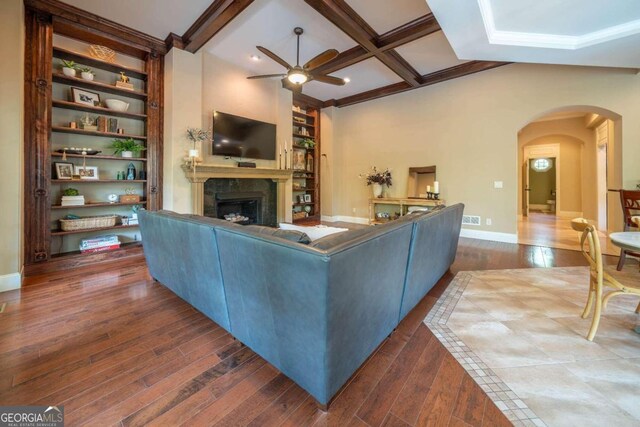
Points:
x=306 y=175
x=64 y=123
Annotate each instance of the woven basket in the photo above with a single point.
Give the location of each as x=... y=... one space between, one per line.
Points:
x=102 y=52
x=299 y=215
x=89 y=222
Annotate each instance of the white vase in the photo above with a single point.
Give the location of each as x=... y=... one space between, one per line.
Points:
x=127 y=154
x=71 y=72
x=86 y=76
x=377 y=190
x=193 y=153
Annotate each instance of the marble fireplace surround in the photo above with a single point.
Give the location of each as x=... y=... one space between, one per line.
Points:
x=202 y=172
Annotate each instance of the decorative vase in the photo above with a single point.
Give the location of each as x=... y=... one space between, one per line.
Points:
x=127 y=154
x=193 y=153
x=71 y=72
x=377 y=190
x=86 y=76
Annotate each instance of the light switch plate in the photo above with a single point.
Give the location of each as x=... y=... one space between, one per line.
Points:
x=497 y=184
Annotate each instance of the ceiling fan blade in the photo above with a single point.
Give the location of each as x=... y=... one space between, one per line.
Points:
x=321 y=59
x=266 y=76
x=329 y=79
x=274 y=57
x=295 y=88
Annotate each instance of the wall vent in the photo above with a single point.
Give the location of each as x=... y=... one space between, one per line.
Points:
x=471 y=220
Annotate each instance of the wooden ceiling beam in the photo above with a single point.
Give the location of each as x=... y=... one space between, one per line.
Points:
x=426 y=80
x=344 y=17
x=215 y=18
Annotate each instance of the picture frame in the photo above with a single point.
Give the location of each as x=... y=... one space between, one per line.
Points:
x=63 y=170
x=301 y=198
x=87 y=172
x=299 y=162
x=81 y=96
x=307 y=198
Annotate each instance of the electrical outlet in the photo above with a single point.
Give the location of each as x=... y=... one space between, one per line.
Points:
x=488 y=221
x=353 y=210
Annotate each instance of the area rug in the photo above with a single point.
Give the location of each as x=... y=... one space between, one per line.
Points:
x=519 y=334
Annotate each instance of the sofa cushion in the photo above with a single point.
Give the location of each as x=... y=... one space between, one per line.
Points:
x=332 y=240
x=291 y=235
x=314 y=232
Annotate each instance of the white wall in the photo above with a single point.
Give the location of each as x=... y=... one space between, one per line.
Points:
x=468 y=128
x=195 y=86
x=11 y=141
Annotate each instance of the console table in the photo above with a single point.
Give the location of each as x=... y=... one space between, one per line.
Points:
x=403 y=204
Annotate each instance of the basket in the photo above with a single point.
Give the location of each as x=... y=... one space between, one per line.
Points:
x=299 y=215
x=89 y=222
x=102 y=52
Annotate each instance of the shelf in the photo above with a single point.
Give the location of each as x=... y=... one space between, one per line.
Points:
x=97 y=205
x=305 y=189
x=99 y=86
x=298 y=113
x=297 y=135
x=123 y=247
x=304 y=204
x=307 y=125
x=94 y=181
x=98 y=110
x=302 y=147
x=89 y=230
x=83 y=59
x=100 y=157
x=63 y=129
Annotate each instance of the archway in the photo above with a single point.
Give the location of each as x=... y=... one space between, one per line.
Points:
x=585 y=143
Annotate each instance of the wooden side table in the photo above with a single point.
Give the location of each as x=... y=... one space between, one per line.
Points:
x=402 y=203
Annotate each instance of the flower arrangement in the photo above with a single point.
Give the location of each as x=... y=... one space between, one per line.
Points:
x=196 y=135
x=377 y=177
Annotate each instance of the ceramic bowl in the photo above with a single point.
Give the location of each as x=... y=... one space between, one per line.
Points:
x=116 y=105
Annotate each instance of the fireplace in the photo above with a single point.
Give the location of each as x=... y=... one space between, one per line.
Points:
x=255 y=199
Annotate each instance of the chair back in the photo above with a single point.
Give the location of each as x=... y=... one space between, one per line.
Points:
x=630 y=200
x=589 y=238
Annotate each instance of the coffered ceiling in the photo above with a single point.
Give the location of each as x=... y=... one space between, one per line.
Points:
x=388 y=47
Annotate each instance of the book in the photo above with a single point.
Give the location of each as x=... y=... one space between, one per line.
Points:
x=112 y=125
x=101 y=249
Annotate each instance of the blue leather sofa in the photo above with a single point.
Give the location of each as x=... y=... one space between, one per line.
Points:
x=316 y=311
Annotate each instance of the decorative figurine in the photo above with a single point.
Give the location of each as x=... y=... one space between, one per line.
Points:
x=131 y=172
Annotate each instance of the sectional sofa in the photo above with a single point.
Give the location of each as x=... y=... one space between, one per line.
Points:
x=316 y=311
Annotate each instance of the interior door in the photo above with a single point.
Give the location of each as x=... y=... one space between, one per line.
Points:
x=525 y=187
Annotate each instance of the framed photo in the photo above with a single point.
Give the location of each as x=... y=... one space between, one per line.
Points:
x=301 y=198
x=64 y=170
x=81 y=96
x=87 y=172
x=307 y=198
x=299 y=162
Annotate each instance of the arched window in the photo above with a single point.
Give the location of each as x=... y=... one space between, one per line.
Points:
x=542 y=165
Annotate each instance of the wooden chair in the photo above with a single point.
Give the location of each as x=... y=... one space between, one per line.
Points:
x=630 y=208
x=598 y=277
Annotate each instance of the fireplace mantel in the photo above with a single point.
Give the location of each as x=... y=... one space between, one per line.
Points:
x=202 y=172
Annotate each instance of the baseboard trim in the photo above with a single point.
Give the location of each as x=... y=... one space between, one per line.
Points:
x=342 y=218
x=9 y=282
x=489 y=235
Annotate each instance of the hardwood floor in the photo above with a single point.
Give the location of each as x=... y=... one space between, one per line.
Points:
x=116 y=348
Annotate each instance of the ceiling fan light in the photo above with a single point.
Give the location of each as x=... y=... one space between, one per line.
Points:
x=297 y=77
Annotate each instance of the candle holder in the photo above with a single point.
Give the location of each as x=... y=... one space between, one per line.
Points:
x=436 y=196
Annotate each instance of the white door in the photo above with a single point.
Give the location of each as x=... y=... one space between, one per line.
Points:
x=602 y=141
x=526 y=189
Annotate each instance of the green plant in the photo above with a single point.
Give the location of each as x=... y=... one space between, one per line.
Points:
x=86 y=70
x=70 y=192
x=308 y=143
x=377 y=177
x=69 y=64
x=129 y=144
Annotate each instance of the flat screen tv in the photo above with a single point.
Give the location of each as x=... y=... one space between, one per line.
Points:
x=235 y=136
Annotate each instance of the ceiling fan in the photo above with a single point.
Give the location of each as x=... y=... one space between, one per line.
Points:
x=296 y=76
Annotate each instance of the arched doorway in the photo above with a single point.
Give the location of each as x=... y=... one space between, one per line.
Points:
x=569 y=160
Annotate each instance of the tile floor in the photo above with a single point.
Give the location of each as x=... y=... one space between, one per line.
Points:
x=520 y=336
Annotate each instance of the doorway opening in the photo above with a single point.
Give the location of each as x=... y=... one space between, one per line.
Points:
x=568 y=159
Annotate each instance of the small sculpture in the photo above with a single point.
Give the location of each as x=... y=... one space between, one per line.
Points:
x=123 y=78
x=131 y=172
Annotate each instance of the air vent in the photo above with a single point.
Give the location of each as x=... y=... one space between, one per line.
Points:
x=470 y=220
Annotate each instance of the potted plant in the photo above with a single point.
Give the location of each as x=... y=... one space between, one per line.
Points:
x=126 y=147
x=69 y=68
x=197 y=136
x=377 y=179
x=86 y=73
x=307 y=143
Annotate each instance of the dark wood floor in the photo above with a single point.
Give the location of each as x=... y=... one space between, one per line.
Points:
x=118 y=349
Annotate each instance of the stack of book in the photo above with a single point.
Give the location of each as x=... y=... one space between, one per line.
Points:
x=99 y=244
x=72 y=201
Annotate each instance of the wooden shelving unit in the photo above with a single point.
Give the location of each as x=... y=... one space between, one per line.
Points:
x=47 y=248
x=310 y=183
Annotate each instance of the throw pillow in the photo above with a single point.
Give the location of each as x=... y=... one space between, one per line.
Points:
x=314 y=233
x=291 y=235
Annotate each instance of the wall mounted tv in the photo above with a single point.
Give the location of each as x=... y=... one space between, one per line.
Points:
x=235 y=136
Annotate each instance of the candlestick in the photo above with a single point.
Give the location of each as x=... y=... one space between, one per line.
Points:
x=428 y=189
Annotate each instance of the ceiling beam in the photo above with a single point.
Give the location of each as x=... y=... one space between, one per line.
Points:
x=426 y=80
x=214 y=19
x=352 y=24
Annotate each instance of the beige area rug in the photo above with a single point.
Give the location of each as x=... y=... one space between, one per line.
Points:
x=520 y=336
